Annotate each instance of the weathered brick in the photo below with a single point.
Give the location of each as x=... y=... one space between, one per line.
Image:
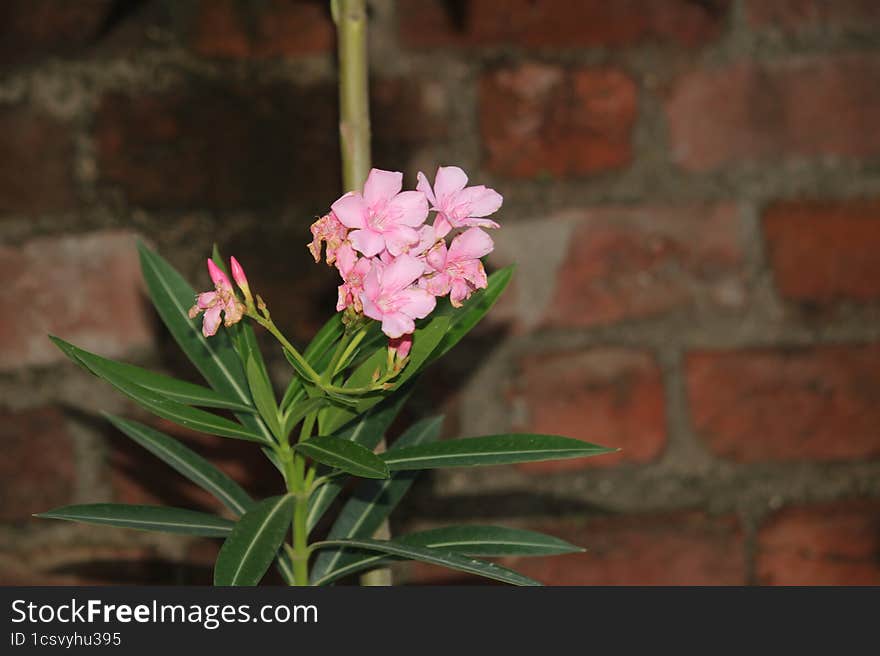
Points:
x=279 y=28
x=806 y=403
x=633 y=263
x=609 y=396
x=543 y=119
x=30 y=29
x=821 y=544
x=36 y=170
x=38 y=468
x=60 y=564
x=825 y=251
x=687 y=548
x=213 y=146
x=549 y=24
x=86 y=289
x=747 y=112
x=799 y=16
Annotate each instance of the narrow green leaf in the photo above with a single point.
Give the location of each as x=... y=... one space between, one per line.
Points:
x=342 y=454
x=215 y=359
x=440 y=557
x=254 y=541
x=490 y=450
x=463 y=319
x=264 y=397
x=165 y=407
x=366 y=430
x=298 y=411
x=372 y=501
x=145 y=518
x=490 y=541
x=176 y=390
x=186 y=462
x=465 y=540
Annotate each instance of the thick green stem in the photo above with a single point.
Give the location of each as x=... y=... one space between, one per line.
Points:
x=354 y=131
x=300 y=553
x=354 y=104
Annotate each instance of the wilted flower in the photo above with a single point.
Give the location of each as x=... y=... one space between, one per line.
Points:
x=222 y=299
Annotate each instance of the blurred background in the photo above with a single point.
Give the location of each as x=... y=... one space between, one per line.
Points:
x=692 y=197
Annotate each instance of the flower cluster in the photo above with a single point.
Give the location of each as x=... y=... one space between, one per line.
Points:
x=392 y=262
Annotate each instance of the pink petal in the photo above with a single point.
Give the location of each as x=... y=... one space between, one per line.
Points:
x=449 y=181
x=401 y=273
x=442 y=226
x=474 y=273
x=436 y=257
x=409 y=208
x=351 y=210
x=371 y=309
x=437 y=285
x=401 y=346
x=425 y=187
x=472 y=244
x=368 y=242
x=480 y=223
x=480 y=200
x=459 y=292
x=238 y=273
x=346 y=258
x=211 y=321
x=382 y=186
x=416 y=303
x=206 y=300
x=397 y=324
x=372 y=284
x=218 y=277
x=399 y=239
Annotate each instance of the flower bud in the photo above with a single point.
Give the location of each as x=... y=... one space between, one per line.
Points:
x=241 y=280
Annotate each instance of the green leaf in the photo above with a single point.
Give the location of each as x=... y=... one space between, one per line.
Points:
x=216 y=360
x=298 y=411
x=176 y=390
x=463 y=319
x=490 y=450
x=345 y=455
x=253 y=544
x=366 y=430
x=434 y=556
x=264 y=397
x=373 y=501
x=186 y=462
x=165 y=407
x=491 y=541
x=465 y=540
x=145 y=518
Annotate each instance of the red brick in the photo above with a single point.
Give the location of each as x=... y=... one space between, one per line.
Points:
x=36 y=170
x=89 y=565
x=822 y=252
x=755 y=113
x=30 y=29
x=634 y=263
x=211 y=146
x=38 y=468
x=279 y=28
x=810 y=403
x=676 y=549
x=549 y=24
x=84 y=288
x=542 y=119
x=798 y=16
x=610 y=396
x=823 y=544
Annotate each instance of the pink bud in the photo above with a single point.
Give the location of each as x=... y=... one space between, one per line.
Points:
x=401 y=346
x=238 y=274
x=220 y=279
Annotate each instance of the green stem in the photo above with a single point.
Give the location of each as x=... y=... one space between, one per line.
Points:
x=354 y=106
x=300 y=554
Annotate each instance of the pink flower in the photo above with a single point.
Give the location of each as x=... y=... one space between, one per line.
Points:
x=383 y=217
x=458 y=206
x=353 y=271
x=212 y=303
x=458 y=271
x=327 y=230
x=390 y=297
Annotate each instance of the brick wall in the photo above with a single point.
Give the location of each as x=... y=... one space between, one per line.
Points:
x=692 y=195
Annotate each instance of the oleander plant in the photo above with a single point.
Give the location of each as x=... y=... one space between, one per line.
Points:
x=412 y=286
